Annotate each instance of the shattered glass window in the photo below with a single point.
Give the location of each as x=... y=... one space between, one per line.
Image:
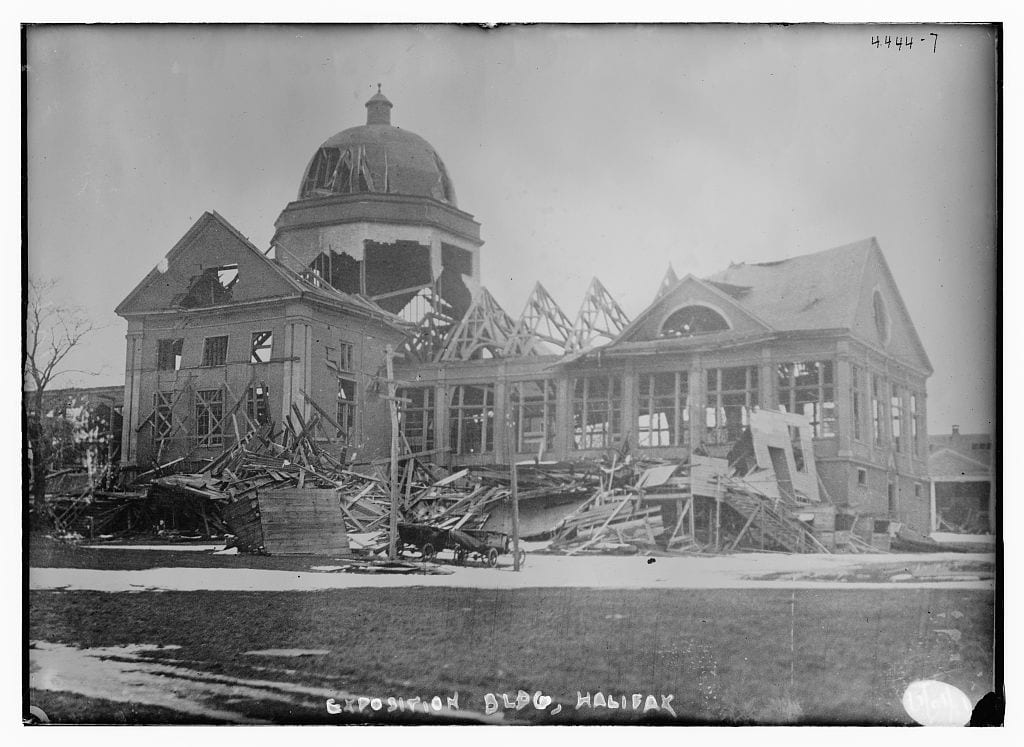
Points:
x=533 y=414
x=210 y=417
x=471 y=419
x=806 y=388
x=597 y=411
x=416 y=417
x=732 y=393
x=663 y=415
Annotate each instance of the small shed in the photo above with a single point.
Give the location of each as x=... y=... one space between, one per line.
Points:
x=289 y=521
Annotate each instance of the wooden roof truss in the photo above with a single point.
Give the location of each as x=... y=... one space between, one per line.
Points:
x=542 y=321
x=599 y=316
x=484 y=331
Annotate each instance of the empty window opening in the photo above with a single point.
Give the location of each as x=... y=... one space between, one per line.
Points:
x=798 y=448
x=862 y=477
x=693 y=320
x=346 y=406
x=663 y=416
x=471 y=419
x=417 y=418
x=732 y=393
x=210 y=417
x=168 y=356
x=257 y=404
x=596 y=411
x=807 y=388
x=533 y=414
x=213 y=287
x=262 y=347
x=456 y=258
x=215 y=351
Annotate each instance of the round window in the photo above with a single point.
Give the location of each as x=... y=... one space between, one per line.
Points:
x=881 y=317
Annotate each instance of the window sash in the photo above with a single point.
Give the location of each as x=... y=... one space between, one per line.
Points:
x=215 y=351
x=727 y=410
x=471 y=419
x=808 y=388
x=532 y=404
x=417 y=418
x=210 y=417
x=663 y=412
x=597 y=411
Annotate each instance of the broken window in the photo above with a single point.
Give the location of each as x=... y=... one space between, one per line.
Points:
x=798 y=448
x=877 y=411
x=322 y=172
x=215 y=351
x=417 y=417
x=257 y=404
x=346 y=405
x=693 y=320
x=858 y=407
x=163 y=415
x=262 y=347
x=212 y=287
x=731 y=395
x=663 y=417
x=896 y=415
x=210 y=417
x=807 y=389
x=533 y=414
x=168 y=354
x=596 y=411
x=394 y=273
x=340 y=358
x=471 y=419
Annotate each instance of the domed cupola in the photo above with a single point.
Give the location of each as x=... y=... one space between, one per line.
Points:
x=377 y=158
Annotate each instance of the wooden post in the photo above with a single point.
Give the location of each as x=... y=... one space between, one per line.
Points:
x=515 y=494
x=393 y=407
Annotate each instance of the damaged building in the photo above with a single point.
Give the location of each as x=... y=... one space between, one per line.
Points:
x=375 y=255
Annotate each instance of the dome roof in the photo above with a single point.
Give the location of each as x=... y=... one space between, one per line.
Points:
x=377 y=158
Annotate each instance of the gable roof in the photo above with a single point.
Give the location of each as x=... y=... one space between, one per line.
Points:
x=297 y=285
x=947 y=462
x=812 y=291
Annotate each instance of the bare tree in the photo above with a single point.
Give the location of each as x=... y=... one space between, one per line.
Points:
x=52 y=331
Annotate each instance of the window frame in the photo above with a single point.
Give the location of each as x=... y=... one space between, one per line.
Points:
x=209 y=409
x=418 y=419
x=650 y=404
x=586 y=404
x=462 y=416
x=209 y=350
x=260 y=341
x=548 y=404
x=823 y=391
x=719 y=433
x=176 y=358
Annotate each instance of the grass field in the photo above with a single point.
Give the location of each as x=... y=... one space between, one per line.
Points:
x=726 y=656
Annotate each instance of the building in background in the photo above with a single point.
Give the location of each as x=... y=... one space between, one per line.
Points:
x=963 y=488
x=224 y=338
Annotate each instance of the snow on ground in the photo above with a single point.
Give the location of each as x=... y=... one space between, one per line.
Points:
x=174 y=548
x=739 y=571
x=988 y=539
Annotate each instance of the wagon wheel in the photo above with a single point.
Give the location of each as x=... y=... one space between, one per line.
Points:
x=522 y=558
x=428 y=551
x=492 y=557
x=460 y=556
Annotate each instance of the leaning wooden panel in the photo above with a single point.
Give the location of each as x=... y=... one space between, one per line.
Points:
x=302 y=522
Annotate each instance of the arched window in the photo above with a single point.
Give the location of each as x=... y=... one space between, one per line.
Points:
x=693 y=320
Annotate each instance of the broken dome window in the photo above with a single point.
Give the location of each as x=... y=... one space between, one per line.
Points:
x=323 y=172
x=693 y=320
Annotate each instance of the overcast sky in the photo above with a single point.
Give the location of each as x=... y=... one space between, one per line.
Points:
x=582 y=151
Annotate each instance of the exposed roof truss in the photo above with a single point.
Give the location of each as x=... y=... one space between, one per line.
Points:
x=542 y=321
x=599 y=316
